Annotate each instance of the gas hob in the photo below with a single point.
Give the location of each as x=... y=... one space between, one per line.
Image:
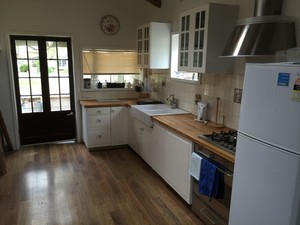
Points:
x=224 y=140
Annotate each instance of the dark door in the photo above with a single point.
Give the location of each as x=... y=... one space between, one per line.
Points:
x=43 y=76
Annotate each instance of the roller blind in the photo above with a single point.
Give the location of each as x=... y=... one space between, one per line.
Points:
x=109 y=62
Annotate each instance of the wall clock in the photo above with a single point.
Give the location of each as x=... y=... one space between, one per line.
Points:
x=110 y=25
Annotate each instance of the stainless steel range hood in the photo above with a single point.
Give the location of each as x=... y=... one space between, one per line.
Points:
x=263 y=34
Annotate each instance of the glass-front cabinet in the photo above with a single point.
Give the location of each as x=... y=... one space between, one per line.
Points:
x=153 y=45
x=203 y=33
x=184 y=40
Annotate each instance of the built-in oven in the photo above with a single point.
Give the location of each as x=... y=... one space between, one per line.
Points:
x=213 y=210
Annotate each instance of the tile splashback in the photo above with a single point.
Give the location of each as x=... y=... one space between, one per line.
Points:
x=210 y=87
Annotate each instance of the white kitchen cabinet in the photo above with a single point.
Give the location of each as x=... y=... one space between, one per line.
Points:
x=159 y=145
x=132 y=136
x=178 y=152
x=104 y=126
x=203 y=32
x=119 y=125
x=141 y=142
x=167 y=153
x=153 y=45
x=96 y=126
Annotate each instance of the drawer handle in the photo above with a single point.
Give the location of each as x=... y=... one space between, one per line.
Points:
x=99 y=120
x=100 y=136
x=99 y=111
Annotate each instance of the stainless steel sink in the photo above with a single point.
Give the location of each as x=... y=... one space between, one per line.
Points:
x=144 y=113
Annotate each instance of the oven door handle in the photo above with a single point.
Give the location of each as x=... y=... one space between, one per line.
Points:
x=225 y=172
x=229 y=174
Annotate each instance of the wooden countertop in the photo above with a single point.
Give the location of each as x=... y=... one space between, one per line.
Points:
x=107 y=103
x=186 y=126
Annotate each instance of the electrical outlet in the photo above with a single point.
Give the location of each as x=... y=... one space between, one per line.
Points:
x=197 y=98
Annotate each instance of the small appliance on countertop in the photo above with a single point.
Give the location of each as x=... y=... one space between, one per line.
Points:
x=202 y=112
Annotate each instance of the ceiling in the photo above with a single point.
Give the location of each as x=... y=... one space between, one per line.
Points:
x=156 y=3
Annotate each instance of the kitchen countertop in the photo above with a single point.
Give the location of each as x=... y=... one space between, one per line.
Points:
x=107 y=103
x=184 y=125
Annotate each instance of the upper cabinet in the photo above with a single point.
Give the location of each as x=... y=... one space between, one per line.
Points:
x=203 y=33
x=153 y=45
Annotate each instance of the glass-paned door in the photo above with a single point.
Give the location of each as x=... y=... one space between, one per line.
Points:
x=44 y=88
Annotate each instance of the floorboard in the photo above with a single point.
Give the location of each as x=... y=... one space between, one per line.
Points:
x=64 y=184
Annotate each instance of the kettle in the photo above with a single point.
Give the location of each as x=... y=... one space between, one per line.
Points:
x=202 y=111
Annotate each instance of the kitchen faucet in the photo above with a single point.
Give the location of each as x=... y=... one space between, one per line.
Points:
x=173 y=101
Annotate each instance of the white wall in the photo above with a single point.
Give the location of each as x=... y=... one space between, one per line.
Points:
x=80 y=20
x=75 y=18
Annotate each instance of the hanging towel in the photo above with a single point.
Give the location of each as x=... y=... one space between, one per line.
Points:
x=211 y=181
x=195 y=165
x=221 y=185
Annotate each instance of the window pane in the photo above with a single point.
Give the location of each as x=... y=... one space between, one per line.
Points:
x=26 y=106
x=201 y=39
x=200 y=60
x=24 y=84
x=53 y=86
x=196 y=41
x=51 y=50
x=62 y=50
x=183 y=23
x=187 y=37
x=187 y=23
x=52 y=68
x=33 y=49
x=202 y=19
x=65 y=102
x=64 y=86
x=21 y=49
x=34 y=68
x=37 y=104
x=63 y=68
x=36 y=86
x=197 y=20
x=182 y=43
x=23 y=68
x=55 y=102
x=195 y=61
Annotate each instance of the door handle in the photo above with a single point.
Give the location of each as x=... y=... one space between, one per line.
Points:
x=70 y=114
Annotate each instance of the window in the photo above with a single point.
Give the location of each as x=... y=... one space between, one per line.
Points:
x=102 y=68
x=180 y=75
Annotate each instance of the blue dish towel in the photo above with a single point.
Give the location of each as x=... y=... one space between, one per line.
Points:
x=211 y=181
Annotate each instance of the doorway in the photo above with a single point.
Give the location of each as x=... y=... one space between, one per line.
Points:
x=43 y=78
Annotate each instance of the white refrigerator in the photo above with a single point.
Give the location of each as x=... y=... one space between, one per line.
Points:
x=266 y=182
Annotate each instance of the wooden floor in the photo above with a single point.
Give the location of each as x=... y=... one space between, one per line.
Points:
x=66 y=184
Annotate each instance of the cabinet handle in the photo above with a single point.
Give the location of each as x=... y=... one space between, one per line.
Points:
x=142 y=129
x=99 y=111
x=100 y=136
x=99 y=121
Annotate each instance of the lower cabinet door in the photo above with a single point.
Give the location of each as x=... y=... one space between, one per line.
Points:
x=119 y=125
x=178 y=153
x=98 y=138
